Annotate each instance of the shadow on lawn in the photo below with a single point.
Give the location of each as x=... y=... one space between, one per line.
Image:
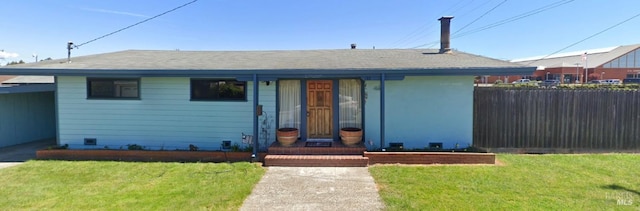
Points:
x=618 y=187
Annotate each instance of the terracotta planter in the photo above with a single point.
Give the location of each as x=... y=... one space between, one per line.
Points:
x=351 y=135
x=287 y=136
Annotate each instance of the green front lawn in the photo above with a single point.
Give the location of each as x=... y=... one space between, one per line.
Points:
x=62 y=185
x=523 y=182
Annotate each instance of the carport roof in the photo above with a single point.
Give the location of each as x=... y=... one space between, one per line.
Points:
x=29 y=80
x=27 y=88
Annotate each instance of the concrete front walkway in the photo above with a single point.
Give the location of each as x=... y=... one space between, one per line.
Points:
x=315 y=188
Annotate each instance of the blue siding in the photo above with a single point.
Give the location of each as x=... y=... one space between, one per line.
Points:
x=267 y=122
x=372 y=114
x=26 y=117
x=164 y=117
x=422 y=109
x=419 y=110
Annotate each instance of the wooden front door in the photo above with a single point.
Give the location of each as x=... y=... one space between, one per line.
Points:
x=319 y=108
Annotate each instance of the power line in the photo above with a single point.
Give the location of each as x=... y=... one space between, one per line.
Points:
x=489 y=11
x=135 y=24
x=505 y=21
x=431 y=44
x=517 y=17
x=412 y=36
x=475 y=8
x=589 y=37
x=460 y=8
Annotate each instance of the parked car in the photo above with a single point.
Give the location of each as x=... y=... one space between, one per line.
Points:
x=612 y=81
x=549 y=83
x=631 y=81
x=595 y=82
x=521 y=81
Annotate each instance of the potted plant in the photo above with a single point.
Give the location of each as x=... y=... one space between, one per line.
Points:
x=351 y=135
x=287 y=136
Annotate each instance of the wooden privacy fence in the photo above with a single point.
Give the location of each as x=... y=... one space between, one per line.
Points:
x=556 y=118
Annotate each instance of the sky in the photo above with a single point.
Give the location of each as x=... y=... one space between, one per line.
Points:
x=43 y=27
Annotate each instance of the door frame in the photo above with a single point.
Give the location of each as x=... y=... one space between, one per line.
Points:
x=335 y=100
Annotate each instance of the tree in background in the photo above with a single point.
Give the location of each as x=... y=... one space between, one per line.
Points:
x=14 y=62
x=594 y=76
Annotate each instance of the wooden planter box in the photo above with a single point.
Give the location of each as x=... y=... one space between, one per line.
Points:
x=145 y=155
x=430 y=158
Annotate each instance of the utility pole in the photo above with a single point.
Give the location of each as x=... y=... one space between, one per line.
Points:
x=577 y=72
x=586 y=67
x=69 y=47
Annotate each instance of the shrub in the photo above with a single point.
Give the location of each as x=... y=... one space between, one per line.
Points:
x=134 y=147
x=235 y=148
x=248 y=149
x=65 y=146
x=193 y=147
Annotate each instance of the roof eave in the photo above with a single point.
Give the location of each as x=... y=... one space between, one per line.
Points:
x=472 y=71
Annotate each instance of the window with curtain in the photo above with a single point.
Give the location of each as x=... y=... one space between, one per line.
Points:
x=350 y=98
x=113 y=88
x=289 y=101
x=218 y=90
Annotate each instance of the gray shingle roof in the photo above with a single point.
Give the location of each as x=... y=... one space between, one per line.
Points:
x=275 y=60
x=593 y=59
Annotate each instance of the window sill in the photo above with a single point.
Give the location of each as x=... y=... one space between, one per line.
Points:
x=208 y=100
x=114 y=98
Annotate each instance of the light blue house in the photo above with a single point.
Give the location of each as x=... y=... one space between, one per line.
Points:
x=173 y=99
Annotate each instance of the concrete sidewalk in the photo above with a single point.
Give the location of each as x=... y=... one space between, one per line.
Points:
x=315 y=188
x=8 y=164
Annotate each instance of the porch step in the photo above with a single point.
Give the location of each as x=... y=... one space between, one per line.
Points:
x=316 y=160
x=299 y=148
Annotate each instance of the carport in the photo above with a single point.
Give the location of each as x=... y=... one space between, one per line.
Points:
x=27 y=113
x=23 y=152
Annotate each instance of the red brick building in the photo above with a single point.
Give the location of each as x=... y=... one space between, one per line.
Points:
x=618 y=62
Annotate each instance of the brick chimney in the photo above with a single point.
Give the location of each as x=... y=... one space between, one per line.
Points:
x=445 y=34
